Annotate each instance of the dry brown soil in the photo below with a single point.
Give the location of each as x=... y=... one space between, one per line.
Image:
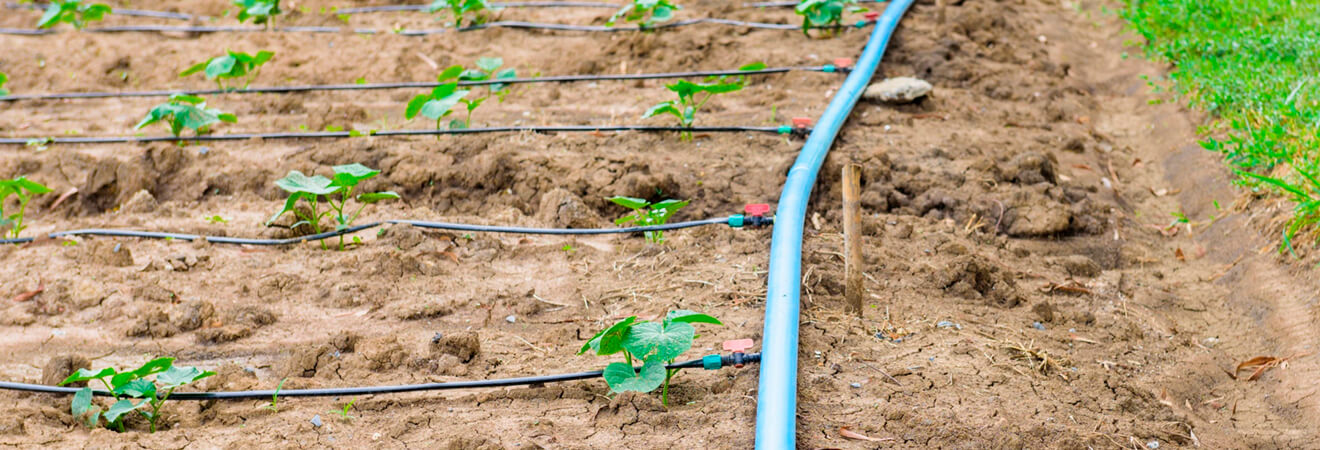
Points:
x=1023 y=206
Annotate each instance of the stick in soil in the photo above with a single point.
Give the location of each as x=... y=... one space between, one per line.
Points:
x=854 y=290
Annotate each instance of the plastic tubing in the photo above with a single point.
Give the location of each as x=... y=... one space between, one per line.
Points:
x=421 y=32
x=44 y=140
x=419 y=84
x=369 y=390
x=416 y=223
x=776 y=405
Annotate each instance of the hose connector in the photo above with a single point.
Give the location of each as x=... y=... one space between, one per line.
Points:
x=801 y=126
x=754 y=216
x=738 y=358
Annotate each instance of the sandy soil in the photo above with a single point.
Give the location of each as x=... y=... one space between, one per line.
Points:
x=1018 y=210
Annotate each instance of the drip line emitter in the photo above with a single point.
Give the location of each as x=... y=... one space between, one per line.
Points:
x=754 y=217
x=736 y=358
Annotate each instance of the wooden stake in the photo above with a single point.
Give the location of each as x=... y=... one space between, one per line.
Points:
x=854 y=291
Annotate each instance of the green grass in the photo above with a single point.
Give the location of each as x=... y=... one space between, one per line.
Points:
x=1254 y=65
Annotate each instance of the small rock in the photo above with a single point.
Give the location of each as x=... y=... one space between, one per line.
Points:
x=511 y=319
x=1210 y=342
x=1044 y=311
x=856 y=385
x=1038 y=326
x=948 y=324
x=438 y=336
x=898 y=90
x=1153 y=445
x=316 y=421
x=141 y=202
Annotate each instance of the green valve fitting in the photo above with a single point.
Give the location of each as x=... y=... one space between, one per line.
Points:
x=828 y=68
x=736 y=221
x=712 y=362
x=785 y=129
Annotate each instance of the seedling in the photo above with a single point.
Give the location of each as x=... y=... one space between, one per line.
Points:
x=186 y=111
x=23 y=189
x=3 y=79
x=128 y=385
x=826 y=14
x=646 y=12
x=260 y=11
x=487 y=68
x=475 y=11
x=654 y=344
x=441 y=101
x=216 y=219
x=343 y=412
x=690 y=99
x=231 y=66
x=645 y=213
x=337 y=192
x=274 y=405
x=72 y=12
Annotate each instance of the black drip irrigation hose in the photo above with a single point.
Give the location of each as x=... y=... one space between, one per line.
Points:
x=423 y=84
x=43 y=140
x=425 y=32
x=737 y=221
x=403 y=8
x=737 y=359
x=117 y=11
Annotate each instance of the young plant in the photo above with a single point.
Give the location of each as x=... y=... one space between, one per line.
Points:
x=646 y=12
x=127 y=386
x=690 y=99
x=645 y=213
x=336 y=191
x=260 y=11
x=487 y=68
x=72 y=12
x=441 y=101
x=475 y=11
x=231 y=66
x=23 y=189
x=825 y=13
x=343 y=412
x=3 y=79
x=274 y=405
x=655 y=345
x=186 y=111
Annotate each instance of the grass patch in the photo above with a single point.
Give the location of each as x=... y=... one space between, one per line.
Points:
x=1254 y=65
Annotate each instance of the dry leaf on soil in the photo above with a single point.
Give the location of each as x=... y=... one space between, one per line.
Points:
x=845 y=432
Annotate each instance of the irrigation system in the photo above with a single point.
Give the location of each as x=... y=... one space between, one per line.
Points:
x=776 y=409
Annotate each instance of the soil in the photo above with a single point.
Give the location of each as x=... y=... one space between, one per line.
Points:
x=1018 y=212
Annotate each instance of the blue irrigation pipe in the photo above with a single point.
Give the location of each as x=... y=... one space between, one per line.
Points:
x=776 y=405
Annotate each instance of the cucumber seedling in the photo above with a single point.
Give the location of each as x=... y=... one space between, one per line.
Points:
x=690 y=98
x=262 y=12
x=343 y=412
x=487 y=68
x=336 y=191
x=127 y=386
x=645 y=213
x=3 y=79
x=73 y=12
x=231 y=66
x=23 y=189
x=646 y=13
x=654 y=344
x=185 y=111
x=826 y=14
x=475 y=11
x=440 y=102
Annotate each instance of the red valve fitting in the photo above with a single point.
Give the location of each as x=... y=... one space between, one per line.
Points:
x=843 y=63
x=801 y=122
x=738 y=346
x=756 y=209
x=871 y=16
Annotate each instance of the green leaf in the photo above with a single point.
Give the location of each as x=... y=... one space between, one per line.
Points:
x=220 y=66
x=262 y=57
x=50 y=18
x=450 y=73
x=685 y=316
x=654 y=341
x=618 y=330
x=435 y=109
x=415 y=106
x=195 y=68
x=139 y=388
x=753 y=66
x=82 y=402
x=120 y=408
x=662 y=108
x=629 y=202
x=30 y=186
x=377 y=196
x=351 y=174
x=623 y=378
x=179 y=376
x=87 y=375
x=296 y=182
x=489 y=64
